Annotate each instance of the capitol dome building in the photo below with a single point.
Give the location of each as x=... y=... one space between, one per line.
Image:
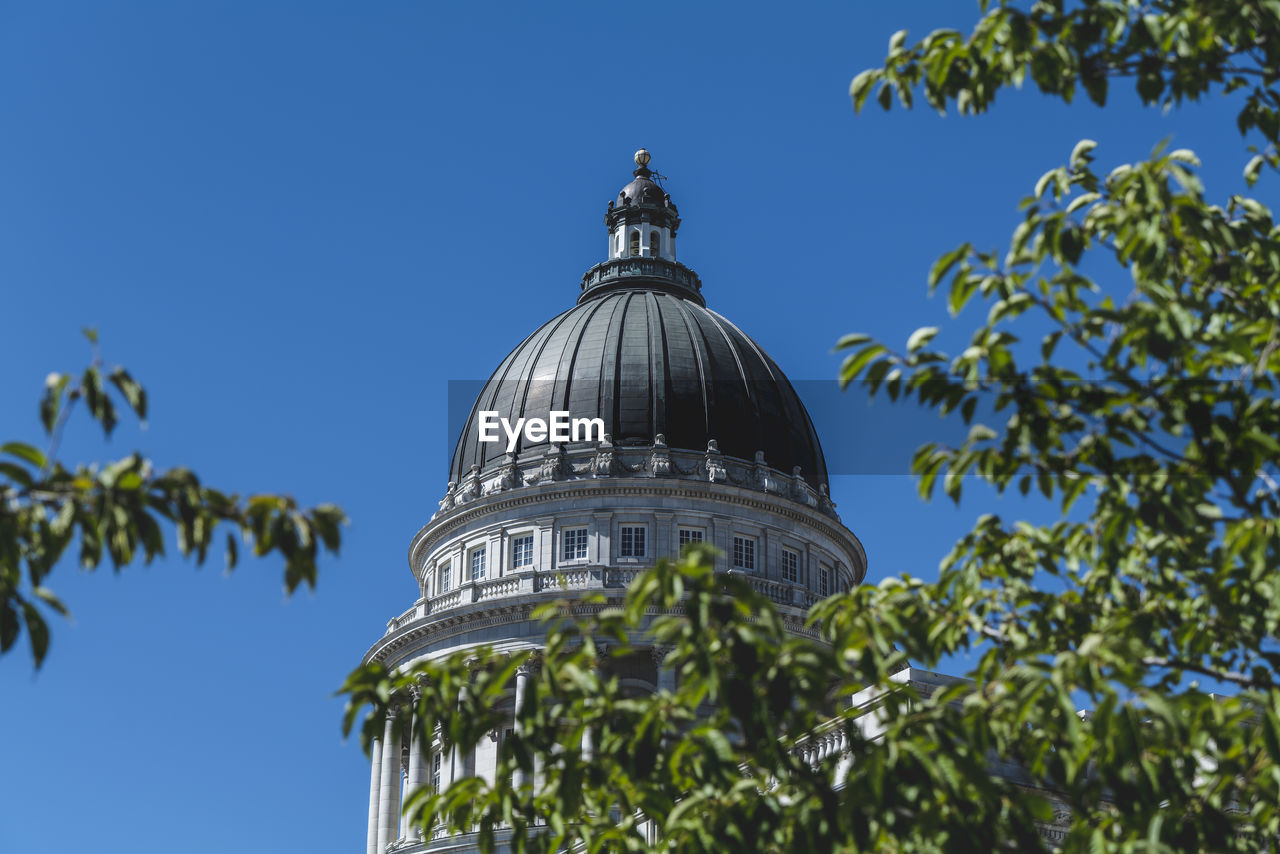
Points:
x=635 y=422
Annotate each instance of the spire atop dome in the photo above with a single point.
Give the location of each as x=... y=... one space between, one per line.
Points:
x=642 y=224
x=643 y=220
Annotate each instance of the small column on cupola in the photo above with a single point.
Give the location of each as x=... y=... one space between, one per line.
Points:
x=643 y=220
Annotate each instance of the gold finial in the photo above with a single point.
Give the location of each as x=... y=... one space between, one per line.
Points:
x=642 y=158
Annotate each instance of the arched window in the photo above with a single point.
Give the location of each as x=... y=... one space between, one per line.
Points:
x=635 y=243
x=654 y=243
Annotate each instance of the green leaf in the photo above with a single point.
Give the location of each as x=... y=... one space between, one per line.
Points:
x=28 y=453
x=861 y=87
x=51 y=404
x=885 y=96
x=10 y=624
x=1253 y=168
x=133 y=393
x=46 y=595
x=17 y=474
x=1082 y=154
x=37 y=632
x=852 y=340
x=921 y=337
x=944 y=264
x=854 y=364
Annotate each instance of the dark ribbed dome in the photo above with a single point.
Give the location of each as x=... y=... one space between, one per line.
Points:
x=649 y=362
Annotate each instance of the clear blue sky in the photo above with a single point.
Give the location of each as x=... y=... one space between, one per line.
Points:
x=295 y=222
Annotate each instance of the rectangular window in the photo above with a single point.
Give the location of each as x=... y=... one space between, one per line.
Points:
x=824 y=581
x=744 y=553
x=790 y=566
x=437 y=762
x=632 y=541
x=445 y=577
x=477 y=563
x=574 y=541
x=690 y=535
x=522 y=551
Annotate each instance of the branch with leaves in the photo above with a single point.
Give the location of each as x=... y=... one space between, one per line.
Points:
x=120 y=509
x=1175 y=51
x=724 y=758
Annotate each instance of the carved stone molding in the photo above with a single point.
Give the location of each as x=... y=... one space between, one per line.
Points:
x=659 y=654
x=605 y=459
x=513 y=502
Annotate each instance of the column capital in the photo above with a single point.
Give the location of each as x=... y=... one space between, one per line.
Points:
x=530 y=665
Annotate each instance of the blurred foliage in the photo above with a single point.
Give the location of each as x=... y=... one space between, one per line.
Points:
x=713 y=764
x=119 y=510
x=1150 y=421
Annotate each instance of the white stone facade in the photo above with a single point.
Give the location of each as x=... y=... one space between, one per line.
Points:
x=457 y=612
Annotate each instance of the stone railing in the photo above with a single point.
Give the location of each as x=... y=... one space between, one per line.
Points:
x=407 y=617
x=570 y=579
x=620 y=577
x=814 y=750
x=641 y=268
x=497 y=588
x=782 y=594
x=594 y=460
x=574 y=578
x=445 y=601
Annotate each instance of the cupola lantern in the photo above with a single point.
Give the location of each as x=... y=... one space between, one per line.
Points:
x=643 y=220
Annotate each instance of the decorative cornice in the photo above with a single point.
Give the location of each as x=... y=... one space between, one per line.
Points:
x=730 y=480
x=422 y=632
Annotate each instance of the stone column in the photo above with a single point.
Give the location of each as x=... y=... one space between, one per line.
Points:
x=375 y=783
x=414 y=782
x=389 y=798
x=522 y=681
x=666 y=676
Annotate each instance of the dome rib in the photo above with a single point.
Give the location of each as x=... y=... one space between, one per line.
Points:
x=658 y=360
x=747 y=383
x=699 y=360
